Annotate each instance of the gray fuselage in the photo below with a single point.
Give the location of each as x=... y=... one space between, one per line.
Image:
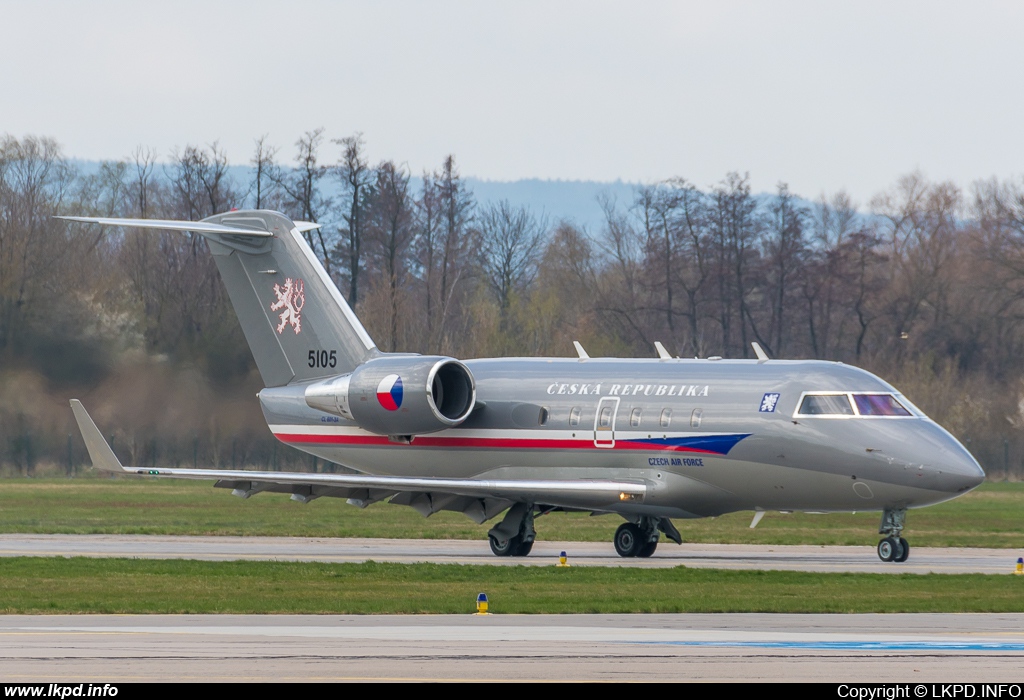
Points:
x=708 y=436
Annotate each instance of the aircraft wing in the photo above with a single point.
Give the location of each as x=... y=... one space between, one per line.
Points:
x=590 y=494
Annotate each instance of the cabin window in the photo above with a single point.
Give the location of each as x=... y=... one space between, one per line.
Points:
x=543 y=420
x=634 y=418
x=605 y=419
x=826 y=405
x=666 y=417
x=879 y=405
x=695 y=417
x=574 y=416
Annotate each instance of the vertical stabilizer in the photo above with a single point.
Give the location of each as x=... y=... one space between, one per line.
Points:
x=297 y=323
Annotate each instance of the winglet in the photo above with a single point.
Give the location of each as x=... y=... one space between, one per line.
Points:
x=580 y=351
x=762 y=356
x=99 y=451
x=662 y=352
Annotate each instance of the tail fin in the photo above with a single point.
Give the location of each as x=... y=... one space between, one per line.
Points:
x=297 y=323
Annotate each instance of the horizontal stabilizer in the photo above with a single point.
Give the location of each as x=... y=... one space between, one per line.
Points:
x=169 y=225
x=557 y=492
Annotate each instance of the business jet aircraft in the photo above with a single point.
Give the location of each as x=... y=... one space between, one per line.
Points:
x=649 y=439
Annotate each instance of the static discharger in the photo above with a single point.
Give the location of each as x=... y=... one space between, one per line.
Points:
x=1020 y=566
x=481 y=604
x=563 y=560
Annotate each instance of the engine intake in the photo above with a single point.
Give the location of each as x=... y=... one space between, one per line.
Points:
x=402 y=395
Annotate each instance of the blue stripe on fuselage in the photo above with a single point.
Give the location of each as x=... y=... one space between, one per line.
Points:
x=718 y=444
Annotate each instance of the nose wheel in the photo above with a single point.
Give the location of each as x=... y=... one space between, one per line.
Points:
x=893 y=548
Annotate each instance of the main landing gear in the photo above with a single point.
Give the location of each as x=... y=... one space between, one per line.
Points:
x=514 y=535
x=640 y=538
x=893 y=547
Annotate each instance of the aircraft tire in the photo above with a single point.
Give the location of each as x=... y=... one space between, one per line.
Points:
x=628 y=540
x=647 y=549
x=904 y=551
x=505 y=548
x=887 y=549
x=524 y=549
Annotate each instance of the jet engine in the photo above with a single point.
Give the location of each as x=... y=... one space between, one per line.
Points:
x=403 y=395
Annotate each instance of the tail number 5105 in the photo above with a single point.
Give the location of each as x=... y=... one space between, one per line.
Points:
x=323 y=358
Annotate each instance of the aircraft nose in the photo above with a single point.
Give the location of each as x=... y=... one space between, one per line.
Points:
x=960 y=470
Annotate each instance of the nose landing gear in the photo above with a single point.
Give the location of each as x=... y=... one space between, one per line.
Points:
x=893 y=547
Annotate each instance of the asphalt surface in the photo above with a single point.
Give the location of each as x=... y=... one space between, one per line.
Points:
x=915 y=649
x=722 y=556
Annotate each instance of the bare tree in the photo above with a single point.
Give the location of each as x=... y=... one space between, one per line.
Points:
x=266 y=174
x=143 y=161
x=784 y=248
x=455 y=205
x=200 y=183
x=621 y=296
x=834 y=220
x=306 y=201
x=428 y=232
x=355 y=176
x=511 y=238
x=735 y=230
x=389 y=225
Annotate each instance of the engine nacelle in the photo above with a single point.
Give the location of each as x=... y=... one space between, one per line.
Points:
x=404 y=395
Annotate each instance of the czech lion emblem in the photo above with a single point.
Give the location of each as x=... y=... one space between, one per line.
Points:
x=291 y=298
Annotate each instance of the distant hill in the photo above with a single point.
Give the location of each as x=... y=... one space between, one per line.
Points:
x=574 y=200
x=556 y=199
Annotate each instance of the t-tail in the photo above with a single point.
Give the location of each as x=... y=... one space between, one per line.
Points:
x=295 y=320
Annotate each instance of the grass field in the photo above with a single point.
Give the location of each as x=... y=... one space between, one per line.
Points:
x=990 y=516
x=53 y=585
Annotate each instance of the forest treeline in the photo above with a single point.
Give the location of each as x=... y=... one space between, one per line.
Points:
x=923 y=284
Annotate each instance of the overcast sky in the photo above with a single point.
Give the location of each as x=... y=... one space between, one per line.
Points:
x=822 y=95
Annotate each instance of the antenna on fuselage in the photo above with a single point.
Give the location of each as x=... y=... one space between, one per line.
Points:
x=580 y=351
x=762 y=356
x=662 y=352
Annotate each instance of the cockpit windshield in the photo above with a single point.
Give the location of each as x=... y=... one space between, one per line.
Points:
x=879 y=405
x=826 y=405
x=850 y=404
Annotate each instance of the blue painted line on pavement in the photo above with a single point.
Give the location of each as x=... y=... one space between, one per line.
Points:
x=856 y=646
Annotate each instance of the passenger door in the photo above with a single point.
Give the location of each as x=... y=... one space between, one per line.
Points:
x=604 y=421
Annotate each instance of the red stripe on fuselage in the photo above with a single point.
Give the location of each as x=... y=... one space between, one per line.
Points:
x=495 y=443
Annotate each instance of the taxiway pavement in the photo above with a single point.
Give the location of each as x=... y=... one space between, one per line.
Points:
x=910 y=648
x=721 y=556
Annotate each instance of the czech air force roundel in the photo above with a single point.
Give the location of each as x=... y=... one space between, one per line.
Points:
x=389 y=392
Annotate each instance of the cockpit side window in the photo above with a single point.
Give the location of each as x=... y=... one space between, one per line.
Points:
x=879 y=405
x=826 y=405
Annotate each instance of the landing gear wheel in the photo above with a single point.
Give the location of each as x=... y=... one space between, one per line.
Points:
x=888 y=549
x=647 y=549
x=523 y=549
x=505 y=548
x=904 y=551
x=628 y=540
